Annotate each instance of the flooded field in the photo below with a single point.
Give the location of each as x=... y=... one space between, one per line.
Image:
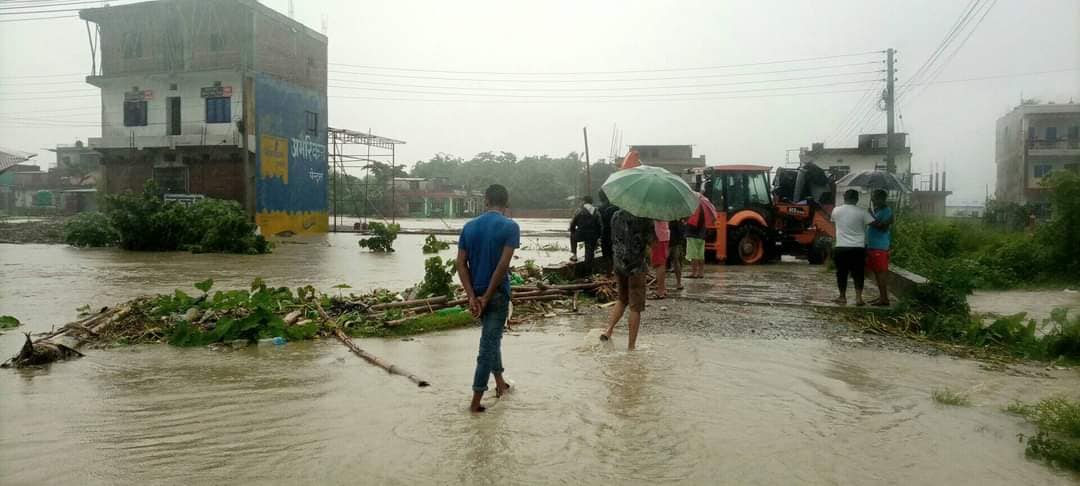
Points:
x=701 y=407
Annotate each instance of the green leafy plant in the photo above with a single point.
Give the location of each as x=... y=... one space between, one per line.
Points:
x=8 y=322
x=1058 y=437
x=90 y=229
x=145 y=222
x=434 y=245
x=954 y=398
x=438 y=278
x=382 y=237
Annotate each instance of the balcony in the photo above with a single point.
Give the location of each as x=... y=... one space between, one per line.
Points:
x=134 y=140
x=1059 y=147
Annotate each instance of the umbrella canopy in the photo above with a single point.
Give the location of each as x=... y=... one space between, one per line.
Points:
x=705 y=209
x=873 y=179
x=651 y=192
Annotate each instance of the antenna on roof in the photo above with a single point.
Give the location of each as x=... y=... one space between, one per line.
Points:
x=291 y=16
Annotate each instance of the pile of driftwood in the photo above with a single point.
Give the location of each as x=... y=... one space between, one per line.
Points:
x=526 y=299
x=133 y=324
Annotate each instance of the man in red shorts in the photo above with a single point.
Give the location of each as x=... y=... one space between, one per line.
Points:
x=878 y=237
x=658 y=257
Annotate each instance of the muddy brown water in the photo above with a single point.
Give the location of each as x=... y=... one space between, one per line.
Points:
x=690 y=409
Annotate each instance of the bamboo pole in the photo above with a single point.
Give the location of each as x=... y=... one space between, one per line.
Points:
x=375 y=360
x=370 y=358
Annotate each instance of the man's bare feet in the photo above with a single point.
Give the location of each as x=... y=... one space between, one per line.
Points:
x=501 y=390
x=860 y=303
x=477 y=408
x=840 y=300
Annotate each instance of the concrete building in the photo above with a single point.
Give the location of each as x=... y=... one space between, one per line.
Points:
x=675 y=158
x=1034 y=141
x=225 y=99
x=868 y=155
x=426 y=198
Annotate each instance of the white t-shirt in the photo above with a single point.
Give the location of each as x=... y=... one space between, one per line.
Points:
x=851 y=224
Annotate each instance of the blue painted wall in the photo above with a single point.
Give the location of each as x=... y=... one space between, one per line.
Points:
x=291 y=164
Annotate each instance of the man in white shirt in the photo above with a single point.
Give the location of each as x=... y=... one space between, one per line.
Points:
x=850 y=252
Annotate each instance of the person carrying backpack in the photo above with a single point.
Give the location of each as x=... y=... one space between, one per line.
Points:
x=585 y=228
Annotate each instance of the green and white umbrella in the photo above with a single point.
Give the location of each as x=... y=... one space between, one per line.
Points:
x=651 y=192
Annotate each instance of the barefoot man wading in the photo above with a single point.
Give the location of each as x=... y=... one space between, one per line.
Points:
x=486 y=245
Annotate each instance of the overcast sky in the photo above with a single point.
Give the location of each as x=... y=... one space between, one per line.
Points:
x=727 y=114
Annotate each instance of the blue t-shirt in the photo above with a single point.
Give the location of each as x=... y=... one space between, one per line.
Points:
x=878 y=239
x=483 y=239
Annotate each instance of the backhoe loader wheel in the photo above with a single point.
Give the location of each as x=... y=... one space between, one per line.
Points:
x=819 y=250
x=748 y=245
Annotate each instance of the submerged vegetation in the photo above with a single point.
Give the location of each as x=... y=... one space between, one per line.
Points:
x=1058 y=437
x=382 y=237
x=438 y=278
x=947 y=396
x=145 y=222
x=434 y=245
x=9 y=322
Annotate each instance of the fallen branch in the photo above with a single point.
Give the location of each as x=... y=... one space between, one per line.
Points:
x=375 y=360
x=370 y=358
x=408 y=303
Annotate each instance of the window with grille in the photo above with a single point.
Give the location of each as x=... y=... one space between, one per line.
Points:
x=219 y=109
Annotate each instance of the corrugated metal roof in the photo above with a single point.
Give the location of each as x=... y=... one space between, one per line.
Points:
x=10 y=158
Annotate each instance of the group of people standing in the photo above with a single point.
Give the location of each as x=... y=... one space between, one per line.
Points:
x=862 y=243
x=631 y=246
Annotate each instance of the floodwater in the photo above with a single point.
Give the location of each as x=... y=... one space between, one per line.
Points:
x=694 y=409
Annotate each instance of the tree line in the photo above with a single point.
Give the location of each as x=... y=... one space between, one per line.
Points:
x=534 y=181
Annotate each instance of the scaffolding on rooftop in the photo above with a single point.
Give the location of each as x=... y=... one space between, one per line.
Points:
x=364 y=153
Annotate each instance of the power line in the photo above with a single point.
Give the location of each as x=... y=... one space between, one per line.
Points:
x=957 y=25
x=49 y=5
x=625 y=80
x=28 y=19
x=633 y=71
x=591 y=100
x=612 y=88
x=40 y=75
x=941 y=68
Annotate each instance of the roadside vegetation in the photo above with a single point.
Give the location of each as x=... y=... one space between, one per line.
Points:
x=1058 y=437
x=145 y=222
x=958 y=257
x=995 y=254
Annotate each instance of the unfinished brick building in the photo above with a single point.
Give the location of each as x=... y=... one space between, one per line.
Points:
x=218 y=98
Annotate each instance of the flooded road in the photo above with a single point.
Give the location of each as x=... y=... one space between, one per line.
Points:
x=690 y=407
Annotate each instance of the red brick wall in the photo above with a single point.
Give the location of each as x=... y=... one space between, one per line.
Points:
x=218 y=178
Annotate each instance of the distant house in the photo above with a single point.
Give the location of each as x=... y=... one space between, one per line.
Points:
x=434 y=198
x=868 y=155
x=677 y=159
x=1034 y=141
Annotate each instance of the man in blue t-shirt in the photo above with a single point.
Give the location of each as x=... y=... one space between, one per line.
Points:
x=878 y=236
x=485 y=247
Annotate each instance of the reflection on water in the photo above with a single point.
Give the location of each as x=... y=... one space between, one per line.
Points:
x=682 y=409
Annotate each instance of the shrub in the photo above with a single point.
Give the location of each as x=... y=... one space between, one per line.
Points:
x=434 y=245
x=382 y=237
x=438 y=278
x=90 y=229
x=1058 y=436
x=145 y=222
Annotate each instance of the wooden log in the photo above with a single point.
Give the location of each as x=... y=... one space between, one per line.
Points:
x=375 y=360
x=408 y=303
x=61 y=344
x=370 y=358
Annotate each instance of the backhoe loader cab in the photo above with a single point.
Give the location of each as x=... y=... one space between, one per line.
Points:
x=756 y=222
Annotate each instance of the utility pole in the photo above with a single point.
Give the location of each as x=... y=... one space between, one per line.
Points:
x=588 y=172
x=890 y=107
